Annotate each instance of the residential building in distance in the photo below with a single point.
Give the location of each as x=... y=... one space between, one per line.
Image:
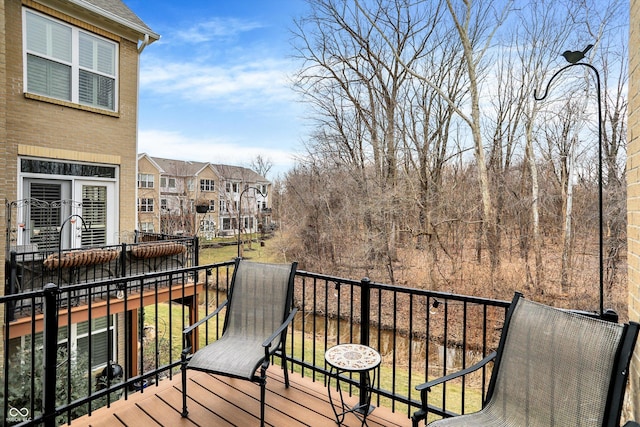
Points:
x=148 y=203
x=244 y=200
x=203 y=199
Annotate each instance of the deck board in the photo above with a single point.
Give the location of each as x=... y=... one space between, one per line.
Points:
x=220 y=402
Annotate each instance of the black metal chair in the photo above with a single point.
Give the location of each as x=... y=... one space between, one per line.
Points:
x=552 y=368
x=258 y=312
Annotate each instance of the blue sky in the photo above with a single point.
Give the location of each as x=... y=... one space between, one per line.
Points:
x=215 y=86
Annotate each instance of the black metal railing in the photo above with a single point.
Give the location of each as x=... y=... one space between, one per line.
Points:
x=61 y=363
x=30 y=270
x=420 y=334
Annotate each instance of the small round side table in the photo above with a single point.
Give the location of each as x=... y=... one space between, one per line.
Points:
x=352 y=358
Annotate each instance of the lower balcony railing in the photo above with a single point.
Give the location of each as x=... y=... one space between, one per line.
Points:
x=29 y=269
x=69 y=359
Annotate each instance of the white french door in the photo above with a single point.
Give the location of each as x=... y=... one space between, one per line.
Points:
x=98 y=210
x=67 y=205
x=41 y=220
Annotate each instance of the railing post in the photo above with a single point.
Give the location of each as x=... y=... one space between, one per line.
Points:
x=196 y=251
x=123 y=260
x=50 y=353
x=365 y=318
x=13 y=280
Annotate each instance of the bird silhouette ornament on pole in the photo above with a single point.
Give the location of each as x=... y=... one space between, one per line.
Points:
x=574 y=58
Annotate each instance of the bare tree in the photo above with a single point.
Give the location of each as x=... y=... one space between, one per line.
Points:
x=261 y=165
x=475 y=28
x=614 y=69
x=402 y=93
x=536 y=47
x=427 y=126
x=355 y=80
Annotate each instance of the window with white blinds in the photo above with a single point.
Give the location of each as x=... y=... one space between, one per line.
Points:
x=94 y=212
x=102 y=339
x=45 y=218
x=67 y=63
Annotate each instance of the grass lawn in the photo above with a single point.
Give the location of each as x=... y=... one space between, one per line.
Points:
x=256 y=252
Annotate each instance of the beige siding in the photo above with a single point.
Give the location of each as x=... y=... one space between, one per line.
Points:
x=207 y=173
x=147 y=167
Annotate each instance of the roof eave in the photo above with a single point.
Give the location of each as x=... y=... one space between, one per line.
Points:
x=140 y=29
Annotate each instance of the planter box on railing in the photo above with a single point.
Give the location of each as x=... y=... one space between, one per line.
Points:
x=32 y=270
x=153 y=250
x=79 y=258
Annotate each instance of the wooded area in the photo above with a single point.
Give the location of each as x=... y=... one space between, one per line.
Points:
x=432 y=165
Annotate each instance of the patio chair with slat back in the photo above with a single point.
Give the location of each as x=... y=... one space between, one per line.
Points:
x=552 y=368
x=258 y=312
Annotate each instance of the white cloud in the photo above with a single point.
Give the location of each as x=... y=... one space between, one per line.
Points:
x=221 y=60
x=250 y=83
x=216 y=28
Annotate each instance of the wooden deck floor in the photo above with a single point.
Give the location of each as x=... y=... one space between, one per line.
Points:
x=219 y=401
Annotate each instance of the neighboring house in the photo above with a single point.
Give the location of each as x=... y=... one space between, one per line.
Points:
x=182 y=186
x=172 y=194
x=68 y=124
x=244 y=198
x=148 y=203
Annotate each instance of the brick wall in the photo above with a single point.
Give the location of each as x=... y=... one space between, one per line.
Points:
x=48 y=128
x=633 y=198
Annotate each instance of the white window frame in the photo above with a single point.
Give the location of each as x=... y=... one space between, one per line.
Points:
x=146 y=180
x=72 y=185
x=74 y=64
x=75 y=336
x=147 y=227
x=71 y=335
x=208 y=226
x=145 y=204
x=207 y=185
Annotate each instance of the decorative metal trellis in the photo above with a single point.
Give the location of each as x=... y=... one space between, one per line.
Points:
x=38 y=221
